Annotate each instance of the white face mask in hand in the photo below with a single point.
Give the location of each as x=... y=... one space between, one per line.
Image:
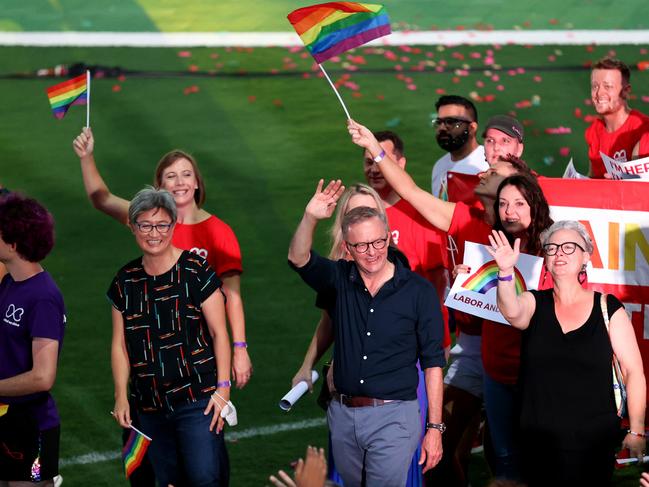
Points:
x=228 y=411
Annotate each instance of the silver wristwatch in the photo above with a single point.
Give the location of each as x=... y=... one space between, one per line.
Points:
x=441 y=427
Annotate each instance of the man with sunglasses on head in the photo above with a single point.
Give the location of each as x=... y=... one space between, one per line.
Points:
x=385 y=318
x=456 y=127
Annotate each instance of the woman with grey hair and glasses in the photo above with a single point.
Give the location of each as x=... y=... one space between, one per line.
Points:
x=171 y=348
x=569 y=423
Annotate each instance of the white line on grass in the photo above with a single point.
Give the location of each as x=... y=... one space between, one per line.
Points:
x=96 y=457
x=290 y=39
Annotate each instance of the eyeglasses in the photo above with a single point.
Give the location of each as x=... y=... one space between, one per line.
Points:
x=450 y=122
x=148 y=227
x=566 y=247
x=362 y=247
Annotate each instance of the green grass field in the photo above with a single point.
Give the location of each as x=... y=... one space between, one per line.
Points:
x=249 y=15
x=262 y=141
x=264 y=129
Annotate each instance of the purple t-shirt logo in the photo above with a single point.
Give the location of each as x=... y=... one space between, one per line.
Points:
x=13 y=315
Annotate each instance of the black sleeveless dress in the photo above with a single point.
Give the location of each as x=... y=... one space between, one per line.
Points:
x=569 y=424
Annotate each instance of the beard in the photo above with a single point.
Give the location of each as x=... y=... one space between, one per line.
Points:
x=451 y=143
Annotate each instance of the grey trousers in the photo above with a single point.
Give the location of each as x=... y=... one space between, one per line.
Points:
x=377 y=440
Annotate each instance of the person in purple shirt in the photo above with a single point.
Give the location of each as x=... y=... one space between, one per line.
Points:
x=32 y=322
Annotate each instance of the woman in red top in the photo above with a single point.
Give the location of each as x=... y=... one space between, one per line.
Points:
x=196 y=230
x=521 y=212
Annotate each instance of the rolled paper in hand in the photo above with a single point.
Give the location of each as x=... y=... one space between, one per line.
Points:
x=292 y=396
x=623 y=461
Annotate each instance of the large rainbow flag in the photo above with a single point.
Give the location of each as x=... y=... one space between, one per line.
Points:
x=71 y=92
x=134 y=450
x=329 y=29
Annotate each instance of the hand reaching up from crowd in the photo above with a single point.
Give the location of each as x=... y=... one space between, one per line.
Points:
x=363 y=137
x=323 y=202
x=311 y=472
x=84 y=143
x=502 y=252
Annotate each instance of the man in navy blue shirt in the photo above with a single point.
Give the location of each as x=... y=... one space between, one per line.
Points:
x=385 y=318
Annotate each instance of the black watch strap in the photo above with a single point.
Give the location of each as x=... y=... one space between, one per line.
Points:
x=441 y=427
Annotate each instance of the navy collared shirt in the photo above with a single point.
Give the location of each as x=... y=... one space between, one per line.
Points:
x=379 y=339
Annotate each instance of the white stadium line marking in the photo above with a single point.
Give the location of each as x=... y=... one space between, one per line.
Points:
x=290 y=39
x=97 y=457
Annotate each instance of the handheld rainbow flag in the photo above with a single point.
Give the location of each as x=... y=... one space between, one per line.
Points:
x=329 y=29
x=75 y=91
x=134 y=450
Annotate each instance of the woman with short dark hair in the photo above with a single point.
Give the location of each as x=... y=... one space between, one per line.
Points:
x=171 y=346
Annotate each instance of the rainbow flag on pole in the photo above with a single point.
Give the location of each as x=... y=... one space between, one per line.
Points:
x=329 y=29
x=134 y=450
x=71 y=92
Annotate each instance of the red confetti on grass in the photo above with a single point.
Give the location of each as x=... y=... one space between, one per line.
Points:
x=537 y=79
x=440 y=91
x=117 y=88
x=380 y=97
x=192 y=68
x=191 y=89
x=564 y=151
x=578 y=113
x=558 y=130
x=184 y=54
x=523 y=104
x=278 y=103
x=252 y=98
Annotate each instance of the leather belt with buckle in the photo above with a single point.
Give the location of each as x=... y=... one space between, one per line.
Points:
x=358 y=401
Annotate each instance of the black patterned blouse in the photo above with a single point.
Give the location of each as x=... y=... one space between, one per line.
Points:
x=167 y=339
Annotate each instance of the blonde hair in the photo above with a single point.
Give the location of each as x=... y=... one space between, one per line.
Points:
x=337 y=251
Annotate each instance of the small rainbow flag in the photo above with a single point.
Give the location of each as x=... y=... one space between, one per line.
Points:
x=3 y=409
x=329 y=29
x=71 y=92
x=134 y=450
x=486 y=278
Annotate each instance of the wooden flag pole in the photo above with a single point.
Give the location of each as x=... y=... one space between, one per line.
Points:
x=349 y=117
x=88 y=98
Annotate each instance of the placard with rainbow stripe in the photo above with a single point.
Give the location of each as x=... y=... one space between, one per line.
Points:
x=476 y=293
x=486 y=278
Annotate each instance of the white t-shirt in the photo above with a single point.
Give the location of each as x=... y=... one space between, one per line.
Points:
x=474 y=163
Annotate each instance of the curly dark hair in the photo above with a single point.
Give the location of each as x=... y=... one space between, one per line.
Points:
x=27 y=224
x=539 y=210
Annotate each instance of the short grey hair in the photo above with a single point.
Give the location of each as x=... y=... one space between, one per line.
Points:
x=150 y=198
x=360 y=214
x=568 y=225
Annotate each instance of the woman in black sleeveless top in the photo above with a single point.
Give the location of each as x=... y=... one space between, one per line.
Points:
x=569 y=423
